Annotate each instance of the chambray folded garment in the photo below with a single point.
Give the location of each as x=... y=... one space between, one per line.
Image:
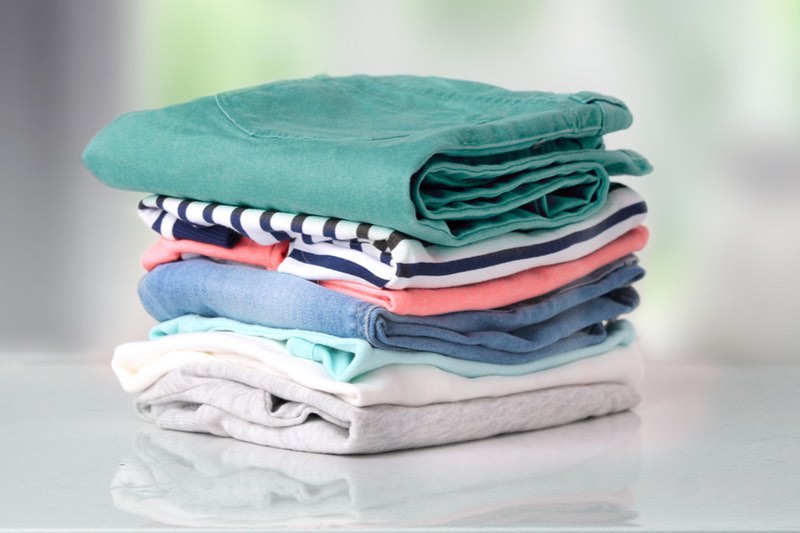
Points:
x=365 y=264
x=444 y=161
x=565 y=320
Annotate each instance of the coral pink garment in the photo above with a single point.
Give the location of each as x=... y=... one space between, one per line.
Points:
x=496 y=292
x=421 y=302
x=245 y=251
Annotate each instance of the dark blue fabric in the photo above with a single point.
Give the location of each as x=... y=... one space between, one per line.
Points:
x=217 y=235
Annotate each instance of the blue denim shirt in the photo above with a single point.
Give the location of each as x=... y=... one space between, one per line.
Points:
x=567 y=319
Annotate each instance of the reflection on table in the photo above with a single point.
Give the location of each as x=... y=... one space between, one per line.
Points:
x=573 y=475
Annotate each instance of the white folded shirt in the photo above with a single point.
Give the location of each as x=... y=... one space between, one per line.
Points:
x=138 y=365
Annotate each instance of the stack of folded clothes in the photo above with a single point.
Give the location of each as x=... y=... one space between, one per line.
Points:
x=363 y=264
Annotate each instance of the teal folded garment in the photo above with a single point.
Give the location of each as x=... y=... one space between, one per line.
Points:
x=346 y=359
x=445 y=161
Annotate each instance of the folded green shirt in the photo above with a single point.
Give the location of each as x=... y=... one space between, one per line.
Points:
x=445 y=161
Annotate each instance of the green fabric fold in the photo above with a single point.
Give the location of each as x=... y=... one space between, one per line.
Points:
x=445 y=161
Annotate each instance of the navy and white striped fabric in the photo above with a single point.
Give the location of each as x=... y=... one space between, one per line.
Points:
x=327 y=248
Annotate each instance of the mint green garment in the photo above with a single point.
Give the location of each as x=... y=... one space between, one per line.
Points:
x=445 y=161
x=346 y=359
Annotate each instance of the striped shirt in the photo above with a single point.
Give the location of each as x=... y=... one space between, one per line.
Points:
x=323 y=248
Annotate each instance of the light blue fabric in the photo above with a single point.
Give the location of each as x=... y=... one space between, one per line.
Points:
x=346 y=358
x=536 y=328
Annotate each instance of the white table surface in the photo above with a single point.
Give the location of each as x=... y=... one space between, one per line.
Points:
x=711 y=448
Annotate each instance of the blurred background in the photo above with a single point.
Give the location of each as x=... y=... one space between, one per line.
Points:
x=713 y=86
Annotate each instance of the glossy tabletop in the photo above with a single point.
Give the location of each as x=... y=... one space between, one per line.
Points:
x=710 y=448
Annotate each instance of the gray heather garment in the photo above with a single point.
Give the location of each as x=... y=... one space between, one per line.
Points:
x=246 y=404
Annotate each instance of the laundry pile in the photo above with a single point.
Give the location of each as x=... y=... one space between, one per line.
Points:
x=363 y=264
